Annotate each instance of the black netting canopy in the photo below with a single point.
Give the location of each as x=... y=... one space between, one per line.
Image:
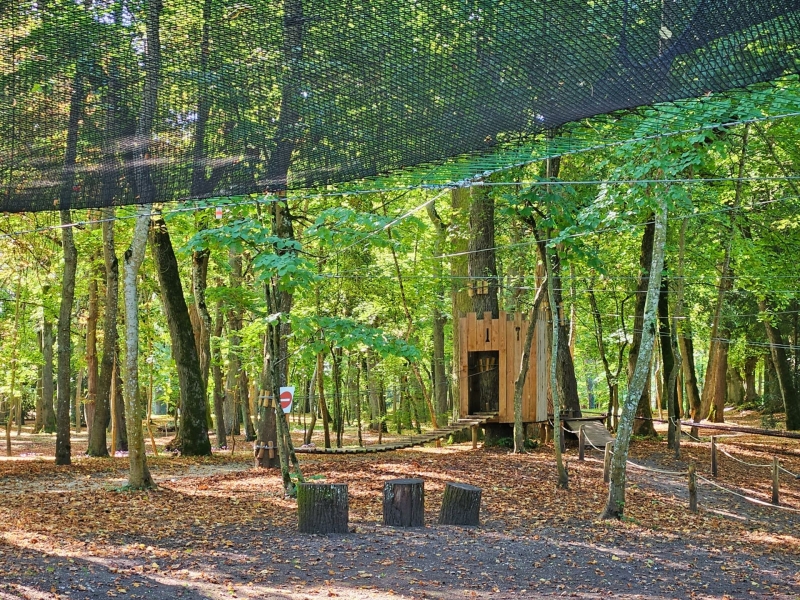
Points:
x=264 y=95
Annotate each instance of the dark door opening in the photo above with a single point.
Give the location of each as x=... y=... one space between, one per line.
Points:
x=484 y=382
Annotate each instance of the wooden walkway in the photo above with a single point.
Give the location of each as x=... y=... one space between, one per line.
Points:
x=596 y=433
x=413 y=440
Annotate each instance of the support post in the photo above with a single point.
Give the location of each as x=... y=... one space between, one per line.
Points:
x=713 y=456
x=776 y=480
x=474 y=429
x=692 y=489
x=581 y=443
x=607 y=463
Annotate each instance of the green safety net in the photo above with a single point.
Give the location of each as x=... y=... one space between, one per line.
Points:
x=272 y=95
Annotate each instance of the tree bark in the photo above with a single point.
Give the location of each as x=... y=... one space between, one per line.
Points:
x=668 y=381
x=48 y=384
x=750 y=392
x=192 y=438
x=788 y=392
x=139 y=476
x=615 y=506
x=519 y=383
x=483 y=281
x=216 y=369
x=563 y=478
x=644 y=425
x=459 y=272
x=438 y=318
x=91 y=355
x=63 y=445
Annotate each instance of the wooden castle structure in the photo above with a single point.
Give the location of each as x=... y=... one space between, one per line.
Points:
x=488 y=345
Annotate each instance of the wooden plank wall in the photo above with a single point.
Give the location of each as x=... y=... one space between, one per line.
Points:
x=506 y=336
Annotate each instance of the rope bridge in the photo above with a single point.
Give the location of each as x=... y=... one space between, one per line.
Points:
x=415 y=440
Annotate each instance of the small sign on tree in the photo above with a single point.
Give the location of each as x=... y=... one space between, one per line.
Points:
x=287 y=396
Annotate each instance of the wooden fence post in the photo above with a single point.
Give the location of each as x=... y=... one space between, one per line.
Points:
x=692 y=489
x=713 y=456
x=776 y=480
x=581 y=443
x=607 y=463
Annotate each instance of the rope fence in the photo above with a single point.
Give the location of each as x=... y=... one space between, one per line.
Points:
x=775 y=467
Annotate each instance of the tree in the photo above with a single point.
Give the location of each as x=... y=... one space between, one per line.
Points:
x=192 y=438
x=615 y=505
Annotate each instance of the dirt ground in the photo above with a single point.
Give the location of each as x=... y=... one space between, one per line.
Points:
x=217 y=528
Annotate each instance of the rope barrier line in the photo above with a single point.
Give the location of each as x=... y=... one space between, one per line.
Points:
x=769 y=466
x=748 y=498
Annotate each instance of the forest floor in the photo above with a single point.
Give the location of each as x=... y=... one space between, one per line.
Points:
x=218 y=528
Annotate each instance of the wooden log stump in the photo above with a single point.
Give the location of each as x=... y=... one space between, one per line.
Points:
x=322 y=508
x=461 y=505
x=404 y=503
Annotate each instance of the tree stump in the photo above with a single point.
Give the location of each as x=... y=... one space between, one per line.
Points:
x=404 y=503
x=322 y=508
x=461 y=505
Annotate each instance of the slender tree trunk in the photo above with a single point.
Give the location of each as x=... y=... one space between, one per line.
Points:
x=438 y=319
x=323 y=403
x=750 y=392
x=336 y=374
x=563 y=478
x=616 y=491
x=643 y=426
x=70 y=253
x=459 y=272
x=519 y=383
x=63 y=445
x=312 y=404
x=216 y=370
x=48 y=383
x=91 y=356
x=102 y=413
x=668 y=381
x=139 y=476
x=483 y=280
x=12 y=401
x=192 y=438
x=788 y=392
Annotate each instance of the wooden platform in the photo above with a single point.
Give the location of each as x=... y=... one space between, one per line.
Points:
x=410 y=442
x=596 y=434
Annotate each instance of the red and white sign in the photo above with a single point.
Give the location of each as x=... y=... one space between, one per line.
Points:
x=287 y=396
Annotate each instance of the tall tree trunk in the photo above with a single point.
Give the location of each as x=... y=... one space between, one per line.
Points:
x=192 y=438
x=139 y=476
x=788 y=392
x=70 y=253
x=612 y=379
x=91 y=356
x=323 y=403
x=519 y=383
x=615 y=505
x=203 y=334
x=459 y=273
x=484 y=284
x=336 y=375
x=668 y=381
x=216 y=370
x=750 y=392
x=643 y=426
x=439 y=319
x=563 y=479
x=48 y=384
x=715 y=384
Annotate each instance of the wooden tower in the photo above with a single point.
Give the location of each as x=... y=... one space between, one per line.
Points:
x=489 y=343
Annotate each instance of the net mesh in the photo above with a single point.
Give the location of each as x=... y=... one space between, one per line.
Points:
x=266 y=95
